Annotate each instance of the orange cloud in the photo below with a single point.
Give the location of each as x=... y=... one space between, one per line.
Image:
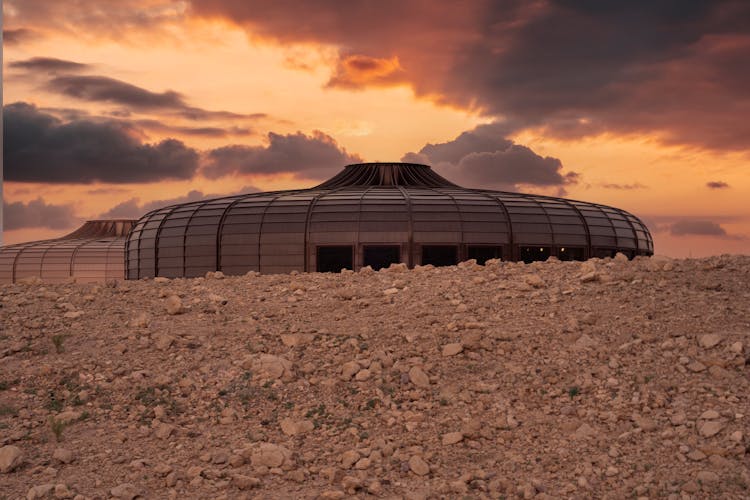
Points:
x=358 y=70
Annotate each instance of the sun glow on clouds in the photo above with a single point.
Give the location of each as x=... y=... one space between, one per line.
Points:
x=379 y=98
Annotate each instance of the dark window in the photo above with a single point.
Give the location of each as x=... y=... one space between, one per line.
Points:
x=532 y=254
x=379 y=257
x=603 y=253
x=570 y=253
x=440 y=255
x=334 y=259
x=484 y=253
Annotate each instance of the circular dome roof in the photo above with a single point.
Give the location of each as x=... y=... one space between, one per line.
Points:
x=372 y=214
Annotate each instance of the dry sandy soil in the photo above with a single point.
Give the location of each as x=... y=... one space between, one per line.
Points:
x=604 y=379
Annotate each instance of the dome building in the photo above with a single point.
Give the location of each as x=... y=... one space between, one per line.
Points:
x=374 y=214
x=93 y=252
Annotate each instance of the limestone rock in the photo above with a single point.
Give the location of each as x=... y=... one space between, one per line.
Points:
x=452 y=349
x=63 y=455
x=128 y=491
x=173 y=305
x=270 y=455
x=10 y=458
x=452 y=438
x=292 y=427
x=418 y=377
x=709 y=341
x=418 y=466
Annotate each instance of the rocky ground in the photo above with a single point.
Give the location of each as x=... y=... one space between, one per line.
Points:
x=604 y=379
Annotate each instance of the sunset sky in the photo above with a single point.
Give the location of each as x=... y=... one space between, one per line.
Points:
x=115 y=107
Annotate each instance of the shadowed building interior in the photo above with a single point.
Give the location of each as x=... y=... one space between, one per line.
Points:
x=375 y=214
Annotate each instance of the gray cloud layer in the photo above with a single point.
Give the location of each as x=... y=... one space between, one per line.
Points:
x=483 y=157
x=316 y=156
x=38 y=214
x=42 y=148
x=48 y=64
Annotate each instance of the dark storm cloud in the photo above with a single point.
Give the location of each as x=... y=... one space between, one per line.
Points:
x=95 y=88
x=483 y=157
x=316 y=156
x=38 y=214
x=133 y=209
x=104 y=89
x=17 y=36
x=717 y=185
x=42 y=148
x=48 y=64
x=676 y=69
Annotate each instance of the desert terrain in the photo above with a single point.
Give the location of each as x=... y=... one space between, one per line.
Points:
x=604 y=379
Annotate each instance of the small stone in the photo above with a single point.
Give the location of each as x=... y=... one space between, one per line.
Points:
x=362 y=464
x=737 y=347
x=164 y=431
x=292 y=427
x=590 y=277
x=696 y=366
x=375 y=488
x=349 y=369
x=534 y=280
x=678 y=418
x=452 y=438
x=390 y=291
x=127 y=491
x=173 y=305
x=418 y=466
x=62 y=491
x=245 y=482
x=10 y=458
x=696 y=455
x=270 y=455
x=691 y=487
x=612 y=471
x=645 y=423
x=706 y=476
x=73 y=314
x=164 y=342
x=710 y=428
x=349 y=458
x=40 y=491
x=452 y=349
x=351 y=484
x=736 y=436
x=418 y=377
x=141 y=320
x=709 y=415
x=63 y=455
x=709 y=341
x=362 y=375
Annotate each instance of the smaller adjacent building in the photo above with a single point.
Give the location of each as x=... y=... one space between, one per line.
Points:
x=93 y=252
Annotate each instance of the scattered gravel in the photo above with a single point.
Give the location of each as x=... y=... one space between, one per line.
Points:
x=606 y=378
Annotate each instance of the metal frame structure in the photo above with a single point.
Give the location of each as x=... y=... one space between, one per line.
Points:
x=400 y=204
x=93 y=252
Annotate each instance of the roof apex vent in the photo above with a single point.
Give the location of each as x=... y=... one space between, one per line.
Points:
x=386 y=174
x=112 y=228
